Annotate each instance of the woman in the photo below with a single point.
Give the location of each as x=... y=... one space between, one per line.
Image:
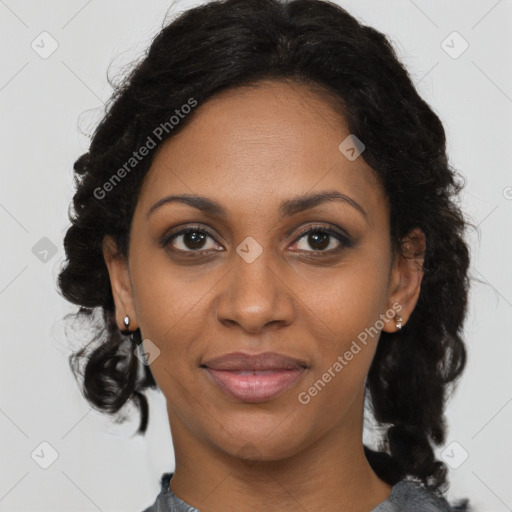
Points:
x=266 y=220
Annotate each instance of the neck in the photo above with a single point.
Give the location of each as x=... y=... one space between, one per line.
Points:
x=331 y=474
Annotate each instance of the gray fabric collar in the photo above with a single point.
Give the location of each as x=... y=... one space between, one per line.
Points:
x=405 y=495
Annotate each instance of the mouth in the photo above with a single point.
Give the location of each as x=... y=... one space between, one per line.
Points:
x=254 y=378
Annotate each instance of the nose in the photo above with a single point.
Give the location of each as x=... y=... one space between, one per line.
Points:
x=255 y=295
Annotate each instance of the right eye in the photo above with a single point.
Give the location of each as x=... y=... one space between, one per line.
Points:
x=189 y=240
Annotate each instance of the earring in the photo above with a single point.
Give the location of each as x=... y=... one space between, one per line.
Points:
x=127 y=321
x=136 y=337
x=398 y=321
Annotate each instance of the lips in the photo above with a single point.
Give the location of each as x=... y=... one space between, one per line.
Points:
x=254 y=377
x=250 y=362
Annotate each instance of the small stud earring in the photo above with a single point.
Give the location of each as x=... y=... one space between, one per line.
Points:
x=127 y=321
x=398 y=321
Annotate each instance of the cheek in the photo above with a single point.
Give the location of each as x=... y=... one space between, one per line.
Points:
x=172 y=306
x=343 y=317
x=172 y=314
x=163 y=292
x=349 y=299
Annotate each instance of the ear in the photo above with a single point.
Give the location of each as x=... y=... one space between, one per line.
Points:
x=120 y=283
x=405 y=279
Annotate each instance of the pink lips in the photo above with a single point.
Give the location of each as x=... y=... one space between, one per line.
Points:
x=254 y=377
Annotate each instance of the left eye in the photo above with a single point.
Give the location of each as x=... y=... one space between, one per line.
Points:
x=321 y=240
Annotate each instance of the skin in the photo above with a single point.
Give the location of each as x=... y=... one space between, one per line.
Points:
x=249 y=149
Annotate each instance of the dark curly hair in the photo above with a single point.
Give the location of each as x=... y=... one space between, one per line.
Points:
x=233 y=43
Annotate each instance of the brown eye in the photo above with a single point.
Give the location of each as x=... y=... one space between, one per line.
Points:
x=194 y=239
x=322 y=239
x=318 y=239
x=190 y=240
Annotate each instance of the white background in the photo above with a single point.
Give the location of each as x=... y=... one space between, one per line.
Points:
x=46 y=104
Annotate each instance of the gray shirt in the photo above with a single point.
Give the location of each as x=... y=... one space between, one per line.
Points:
x=405 y=496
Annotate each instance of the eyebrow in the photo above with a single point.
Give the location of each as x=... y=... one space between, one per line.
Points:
x=287 y=208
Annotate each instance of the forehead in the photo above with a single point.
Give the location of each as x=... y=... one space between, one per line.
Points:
x=258 y=145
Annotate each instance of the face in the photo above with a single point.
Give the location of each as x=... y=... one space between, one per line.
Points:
x=256 y=267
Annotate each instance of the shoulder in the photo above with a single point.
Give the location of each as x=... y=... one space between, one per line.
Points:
x=406 y=495
x=162 y=498
x=409 y=495
x=167 y=501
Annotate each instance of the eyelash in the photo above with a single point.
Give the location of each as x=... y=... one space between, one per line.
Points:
x=344 y=239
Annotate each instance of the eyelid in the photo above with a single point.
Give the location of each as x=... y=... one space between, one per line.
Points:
x=327 y=227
